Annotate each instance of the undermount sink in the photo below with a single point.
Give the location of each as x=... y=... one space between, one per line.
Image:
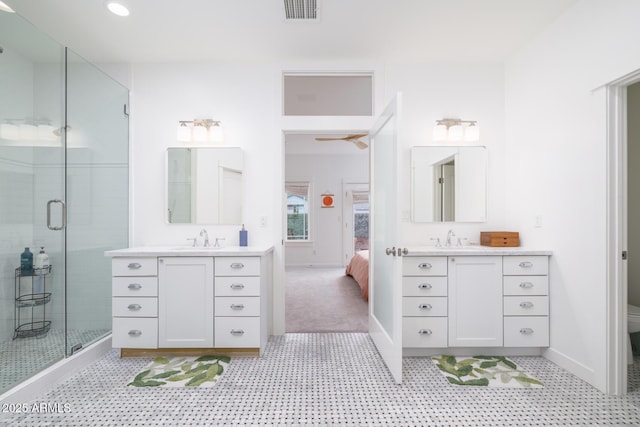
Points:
x=196 y=248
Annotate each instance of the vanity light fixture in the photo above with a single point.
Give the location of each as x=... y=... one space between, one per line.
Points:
x=456 y=130
x=199 y=130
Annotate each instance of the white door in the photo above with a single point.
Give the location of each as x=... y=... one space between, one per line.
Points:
x=385 y=268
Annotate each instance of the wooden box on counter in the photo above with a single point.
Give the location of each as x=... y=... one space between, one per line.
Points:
x=500 y=238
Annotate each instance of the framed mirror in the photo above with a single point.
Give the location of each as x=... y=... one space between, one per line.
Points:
x=203 y=185
x=449 y=184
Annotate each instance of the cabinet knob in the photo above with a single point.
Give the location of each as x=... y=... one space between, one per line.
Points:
x=526 y=304
x=526 y=331
x=526 y=264
x=237 y=265
x=135 y=333
x=134 y=307
x=237 y=332
x=526 y=285
x=237 y=286
x=237 y=306
x=135 y=286
x=425 y=286
x=425 y=307
x=425 y=332
x=424 y=265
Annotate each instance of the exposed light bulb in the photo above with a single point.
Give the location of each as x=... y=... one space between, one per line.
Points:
x=5 y=8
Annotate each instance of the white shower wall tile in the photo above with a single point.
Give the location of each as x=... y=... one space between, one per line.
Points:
x=328 y=379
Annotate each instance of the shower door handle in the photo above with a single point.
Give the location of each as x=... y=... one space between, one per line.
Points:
x=64 y=215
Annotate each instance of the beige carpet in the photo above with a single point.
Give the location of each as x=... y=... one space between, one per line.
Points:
x=324 y=300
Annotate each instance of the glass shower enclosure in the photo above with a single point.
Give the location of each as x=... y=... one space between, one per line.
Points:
x=63 y=190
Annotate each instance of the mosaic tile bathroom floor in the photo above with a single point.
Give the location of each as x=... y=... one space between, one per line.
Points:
x=327 y=379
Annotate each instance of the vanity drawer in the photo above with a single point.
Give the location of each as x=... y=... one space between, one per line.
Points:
x=237 y=286
x=424 y=332
x=525 y=331
x=138 y=332
x=139 y=266
x=134 y=307
x=134 y=286
x=526 y=285
x=525 y=265
x=424 y=306
x=237 y=332
x=424 y=266
x=237 y=266
x=237 y=306
x=526 y=306
x=428 y=286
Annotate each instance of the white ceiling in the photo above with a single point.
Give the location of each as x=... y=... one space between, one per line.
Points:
x=255 y=30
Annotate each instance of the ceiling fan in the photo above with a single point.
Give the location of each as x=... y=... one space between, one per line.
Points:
x=355 y=138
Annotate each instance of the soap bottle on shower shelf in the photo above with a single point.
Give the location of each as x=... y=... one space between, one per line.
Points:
x=26 y=262
x=243 y=236
x=41 y=263
x=41 y=267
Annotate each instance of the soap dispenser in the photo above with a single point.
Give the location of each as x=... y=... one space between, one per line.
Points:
x=26 y=262
x=243 y=237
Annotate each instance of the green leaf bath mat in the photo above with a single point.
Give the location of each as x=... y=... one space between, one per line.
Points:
x=487 y=371
x=203 y=371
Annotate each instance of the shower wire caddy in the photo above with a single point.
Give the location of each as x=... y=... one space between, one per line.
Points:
x=30 y=306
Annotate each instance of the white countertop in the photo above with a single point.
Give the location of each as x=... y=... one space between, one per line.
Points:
x=190 y=251
x=474 y=250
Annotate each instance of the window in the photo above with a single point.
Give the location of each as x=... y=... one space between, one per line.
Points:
x=298 y=211
x=360 y=219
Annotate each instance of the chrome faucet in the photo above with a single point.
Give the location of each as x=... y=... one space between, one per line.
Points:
x=217 y=244
x=204 y=233
x=450 y=234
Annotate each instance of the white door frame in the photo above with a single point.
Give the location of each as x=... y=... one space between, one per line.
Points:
x=617 y=229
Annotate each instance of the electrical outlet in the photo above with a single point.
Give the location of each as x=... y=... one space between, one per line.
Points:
x=538 y=221
x=263 y=221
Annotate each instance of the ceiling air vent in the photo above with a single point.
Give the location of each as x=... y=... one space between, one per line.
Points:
x=301 y=10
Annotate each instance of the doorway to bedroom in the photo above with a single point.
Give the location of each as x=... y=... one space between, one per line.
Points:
x=326 y=192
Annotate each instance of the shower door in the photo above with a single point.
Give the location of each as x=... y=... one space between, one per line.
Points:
x=97 y=198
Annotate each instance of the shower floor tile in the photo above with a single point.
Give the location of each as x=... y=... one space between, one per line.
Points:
x=327 y=379
x=23 y=357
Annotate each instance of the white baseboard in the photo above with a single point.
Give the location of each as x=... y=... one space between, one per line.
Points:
x=571 y=365
x=472 y=351
x=59 y=371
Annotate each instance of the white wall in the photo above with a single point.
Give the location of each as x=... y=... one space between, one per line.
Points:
x=326 y=173
x=556 y=165
x=633 y=170
x=470 y=91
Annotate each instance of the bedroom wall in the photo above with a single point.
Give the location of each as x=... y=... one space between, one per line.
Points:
x=326 y=173
x=556 y=163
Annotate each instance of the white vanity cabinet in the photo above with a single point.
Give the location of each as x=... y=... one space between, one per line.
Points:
x=185 y=312
x=475 y=301
x=134 y=302
x=526 y=301
x=424 y=302
x=191 y=298
x=482 y=298
x=237 y=302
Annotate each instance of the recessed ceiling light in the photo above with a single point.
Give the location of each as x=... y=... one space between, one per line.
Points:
x=117 y=8
x=4 y=7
